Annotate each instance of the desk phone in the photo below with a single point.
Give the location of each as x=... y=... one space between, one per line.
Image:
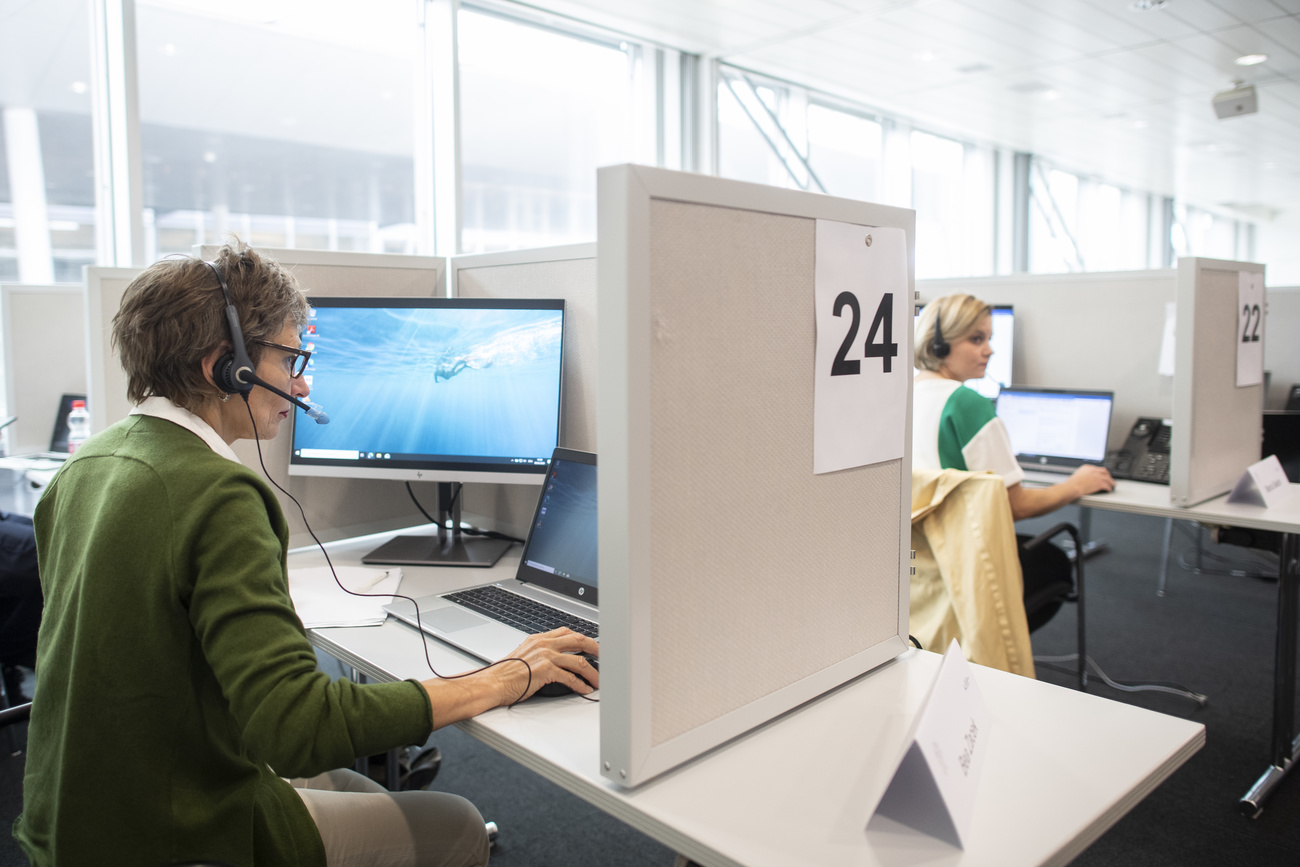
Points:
x=1145 y=455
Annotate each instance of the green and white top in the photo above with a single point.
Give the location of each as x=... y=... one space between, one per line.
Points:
x=956 y=428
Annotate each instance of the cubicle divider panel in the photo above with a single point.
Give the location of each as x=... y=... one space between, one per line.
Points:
x=1282 y=356
x=736 y=584
x=1217 y=424
x=105 y=380
x=44 y=358
x=1098 y=330
x=567 y=272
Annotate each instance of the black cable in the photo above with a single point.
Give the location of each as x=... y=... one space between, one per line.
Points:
x=424 y=645
x=467 y=530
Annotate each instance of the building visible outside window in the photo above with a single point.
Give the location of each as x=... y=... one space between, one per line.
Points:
x=287 y=124
x=845 y=151
x=540 y=112
x=47 y=191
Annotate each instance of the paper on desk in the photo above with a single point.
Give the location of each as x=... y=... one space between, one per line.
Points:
x=319 y=601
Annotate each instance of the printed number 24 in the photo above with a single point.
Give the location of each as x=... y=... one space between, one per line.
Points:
x=885 y=350
x=1249 y=313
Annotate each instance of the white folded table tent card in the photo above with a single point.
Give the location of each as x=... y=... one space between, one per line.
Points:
x=935 y=785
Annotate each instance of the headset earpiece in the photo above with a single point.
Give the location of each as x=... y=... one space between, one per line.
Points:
x=233 y=373
x=939 y=347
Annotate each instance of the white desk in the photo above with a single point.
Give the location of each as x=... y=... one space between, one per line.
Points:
x=1143 y=498
x=1062 y=766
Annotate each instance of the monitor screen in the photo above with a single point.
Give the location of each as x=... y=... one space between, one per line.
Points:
x=997 y=375
x=561 y=552
x=1056 y=424
x=432 y=389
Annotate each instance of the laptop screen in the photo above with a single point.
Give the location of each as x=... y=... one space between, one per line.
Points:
x=1054 y=426
x=561 y=550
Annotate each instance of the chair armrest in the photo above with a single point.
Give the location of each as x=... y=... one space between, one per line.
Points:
x=1063 y=527
x=18 y=713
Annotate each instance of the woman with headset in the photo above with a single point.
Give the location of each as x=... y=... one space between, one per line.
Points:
x=956 y=428
x=178 y=692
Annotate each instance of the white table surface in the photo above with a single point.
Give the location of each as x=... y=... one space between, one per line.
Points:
x=1145 y=498
x=1062 y=766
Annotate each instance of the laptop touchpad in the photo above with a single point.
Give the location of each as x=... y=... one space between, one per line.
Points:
x=452 y=619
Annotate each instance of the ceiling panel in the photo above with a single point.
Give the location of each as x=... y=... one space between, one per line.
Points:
x=1134 y=87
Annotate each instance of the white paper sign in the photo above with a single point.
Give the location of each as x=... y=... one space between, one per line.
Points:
x=934 y=788
x=863 y=355
x=1263 y=484
x=1250 y=328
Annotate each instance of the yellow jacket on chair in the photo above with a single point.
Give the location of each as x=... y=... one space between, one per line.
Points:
x=968 y=584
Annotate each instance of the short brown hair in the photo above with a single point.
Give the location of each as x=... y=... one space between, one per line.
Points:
x=960 y=314
x=172 y=317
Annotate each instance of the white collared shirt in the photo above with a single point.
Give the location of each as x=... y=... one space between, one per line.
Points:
x=162 y=407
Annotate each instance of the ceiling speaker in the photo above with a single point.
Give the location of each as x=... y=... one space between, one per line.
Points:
x=1233 y=103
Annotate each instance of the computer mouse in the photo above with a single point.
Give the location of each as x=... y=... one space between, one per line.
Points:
x=555 y=687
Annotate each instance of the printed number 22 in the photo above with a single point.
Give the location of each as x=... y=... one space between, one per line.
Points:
x=885 y=350
x=1249 y=313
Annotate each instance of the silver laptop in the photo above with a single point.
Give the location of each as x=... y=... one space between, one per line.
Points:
x=1056 y=430
x=554 y=586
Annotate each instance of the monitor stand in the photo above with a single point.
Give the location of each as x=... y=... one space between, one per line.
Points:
x=450 y=547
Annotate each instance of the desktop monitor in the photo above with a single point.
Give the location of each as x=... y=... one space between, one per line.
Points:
x=998 y=374
x=445 y=390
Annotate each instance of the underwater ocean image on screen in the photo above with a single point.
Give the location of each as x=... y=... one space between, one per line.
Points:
x=435 y=381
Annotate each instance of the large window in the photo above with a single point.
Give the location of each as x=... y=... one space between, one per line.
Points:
x=1081 y=224
x=540 y=112
x=779 y=134
x=289 y=127
x=47 y=191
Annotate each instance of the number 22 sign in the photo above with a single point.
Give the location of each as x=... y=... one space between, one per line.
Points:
x=1250 y=328
x=863 y=355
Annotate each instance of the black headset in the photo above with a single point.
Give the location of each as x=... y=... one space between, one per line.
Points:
x=939 y=347
x=233 y=372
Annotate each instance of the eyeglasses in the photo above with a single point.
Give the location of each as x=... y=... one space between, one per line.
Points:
x=297 y=360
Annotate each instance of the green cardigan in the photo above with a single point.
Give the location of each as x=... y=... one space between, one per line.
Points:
x=176 y=684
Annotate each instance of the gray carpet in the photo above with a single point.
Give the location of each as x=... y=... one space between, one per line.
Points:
x=1211 y=634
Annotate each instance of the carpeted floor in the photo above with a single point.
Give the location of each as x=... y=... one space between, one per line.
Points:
x=1213 y=634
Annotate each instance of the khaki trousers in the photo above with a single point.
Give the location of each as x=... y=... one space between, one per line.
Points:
x=362 y=823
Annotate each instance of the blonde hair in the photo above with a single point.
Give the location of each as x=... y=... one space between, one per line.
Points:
x=172 y=317
x=959 y=315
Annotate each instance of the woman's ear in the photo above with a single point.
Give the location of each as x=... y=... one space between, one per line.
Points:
x=210 y=361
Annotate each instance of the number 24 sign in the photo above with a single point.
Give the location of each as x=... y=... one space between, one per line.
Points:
x=861 y=384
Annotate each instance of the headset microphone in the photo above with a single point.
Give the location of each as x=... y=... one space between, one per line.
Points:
x=234 y=372
x=312 y=410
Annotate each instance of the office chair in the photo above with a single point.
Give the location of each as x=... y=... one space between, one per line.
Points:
x=10 y=717
x=1045 y=601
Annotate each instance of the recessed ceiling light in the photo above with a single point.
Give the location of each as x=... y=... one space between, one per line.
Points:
x=925 y=56
x=1251 y=59
x=209 y=157
x=169 y=49
x=1138 y=124
x=1148 y=5
x=78 y=87
x=1050 y=95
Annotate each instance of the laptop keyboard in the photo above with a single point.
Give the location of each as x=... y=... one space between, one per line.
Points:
x=520 y=611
